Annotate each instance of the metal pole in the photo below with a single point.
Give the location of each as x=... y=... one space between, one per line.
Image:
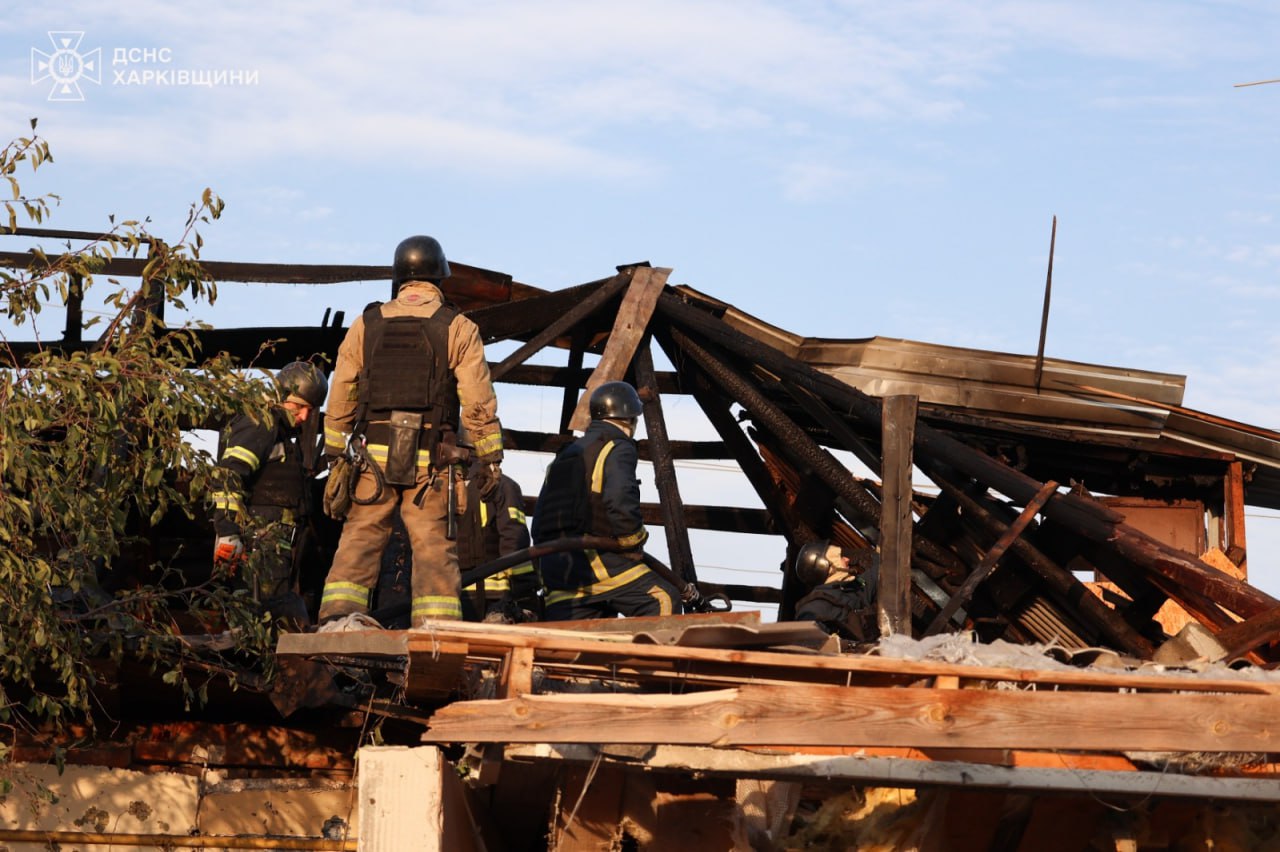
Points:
x=1044 y=317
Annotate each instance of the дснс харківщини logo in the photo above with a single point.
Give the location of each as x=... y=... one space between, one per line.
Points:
x=66 y=66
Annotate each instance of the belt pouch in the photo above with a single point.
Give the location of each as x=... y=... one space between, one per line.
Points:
x=402 y=448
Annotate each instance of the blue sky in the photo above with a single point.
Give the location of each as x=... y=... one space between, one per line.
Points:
x=842 y=169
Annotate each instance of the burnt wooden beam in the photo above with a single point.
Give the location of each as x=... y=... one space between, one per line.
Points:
x=868 y=410
x=1061 y=583
x=664 y=471
x=530 y=315
x=469 y=284
x=281 y=273
x=1084 y=514
x=603 y=294
x=991 y=559
x=797 y=443
x=1079 y=554
x=843 y=435
x=807 y=507
x=741 y=450
x=245 y=344
x=825 y=466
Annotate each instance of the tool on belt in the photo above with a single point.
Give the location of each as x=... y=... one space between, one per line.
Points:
x=451 y=460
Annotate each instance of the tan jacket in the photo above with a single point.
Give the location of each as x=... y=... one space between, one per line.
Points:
x=476 y=397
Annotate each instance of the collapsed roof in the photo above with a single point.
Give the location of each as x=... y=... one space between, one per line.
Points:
x=1045 y=473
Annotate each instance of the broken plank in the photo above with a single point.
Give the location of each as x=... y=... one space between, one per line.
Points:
x=992 y=558
x=674 y=524
x=628 y=329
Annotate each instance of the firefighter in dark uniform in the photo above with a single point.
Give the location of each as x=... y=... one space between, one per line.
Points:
x=838 y=599
x=409 y=373
x=493 y=525
x=263 y=486
x=591 y=489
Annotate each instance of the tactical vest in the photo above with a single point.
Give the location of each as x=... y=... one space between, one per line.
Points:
x=567 y=505
x=406 y=368
x=281 y=481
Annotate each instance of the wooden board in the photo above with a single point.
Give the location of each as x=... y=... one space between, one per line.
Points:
x=488 y=639
x=802 y=715
x=628 y=330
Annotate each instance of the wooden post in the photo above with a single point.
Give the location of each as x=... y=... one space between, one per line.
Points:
x=1233 y=517
x=893 y=603
x=664 y=469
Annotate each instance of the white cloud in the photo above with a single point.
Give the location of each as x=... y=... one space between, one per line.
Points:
x=557 y=88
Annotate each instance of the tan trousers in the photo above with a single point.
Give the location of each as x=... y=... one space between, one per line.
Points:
x=356 y=565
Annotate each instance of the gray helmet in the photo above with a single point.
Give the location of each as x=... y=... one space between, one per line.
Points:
x=304 y=380
x=812 y=565
x=419 y=258
x=616 y=401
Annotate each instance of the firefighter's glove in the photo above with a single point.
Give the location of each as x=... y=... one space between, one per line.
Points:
x=337 y=489
x=228 y=552
x=487 y=475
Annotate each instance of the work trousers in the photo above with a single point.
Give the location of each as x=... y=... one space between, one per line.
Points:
x=635 y=592
x=424 y=508
x=269 y=574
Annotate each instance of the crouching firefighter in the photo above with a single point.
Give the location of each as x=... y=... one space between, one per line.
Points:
x=591 y=489
x=263 y=486
x=409 y=373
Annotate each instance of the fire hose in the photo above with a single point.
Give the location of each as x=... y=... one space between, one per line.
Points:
x=690 y=595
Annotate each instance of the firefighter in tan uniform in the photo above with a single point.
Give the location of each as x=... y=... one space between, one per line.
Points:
x=409 y=372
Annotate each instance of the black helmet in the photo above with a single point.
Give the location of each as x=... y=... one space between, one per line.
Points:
x=303 y=380
x=419 y=258
x=812 y=565
x=615 y=401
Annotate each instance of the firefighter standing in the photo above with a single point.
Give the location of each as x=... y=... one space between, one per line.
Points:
x=263 y=483
x=591 y=489
x=409 y=372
